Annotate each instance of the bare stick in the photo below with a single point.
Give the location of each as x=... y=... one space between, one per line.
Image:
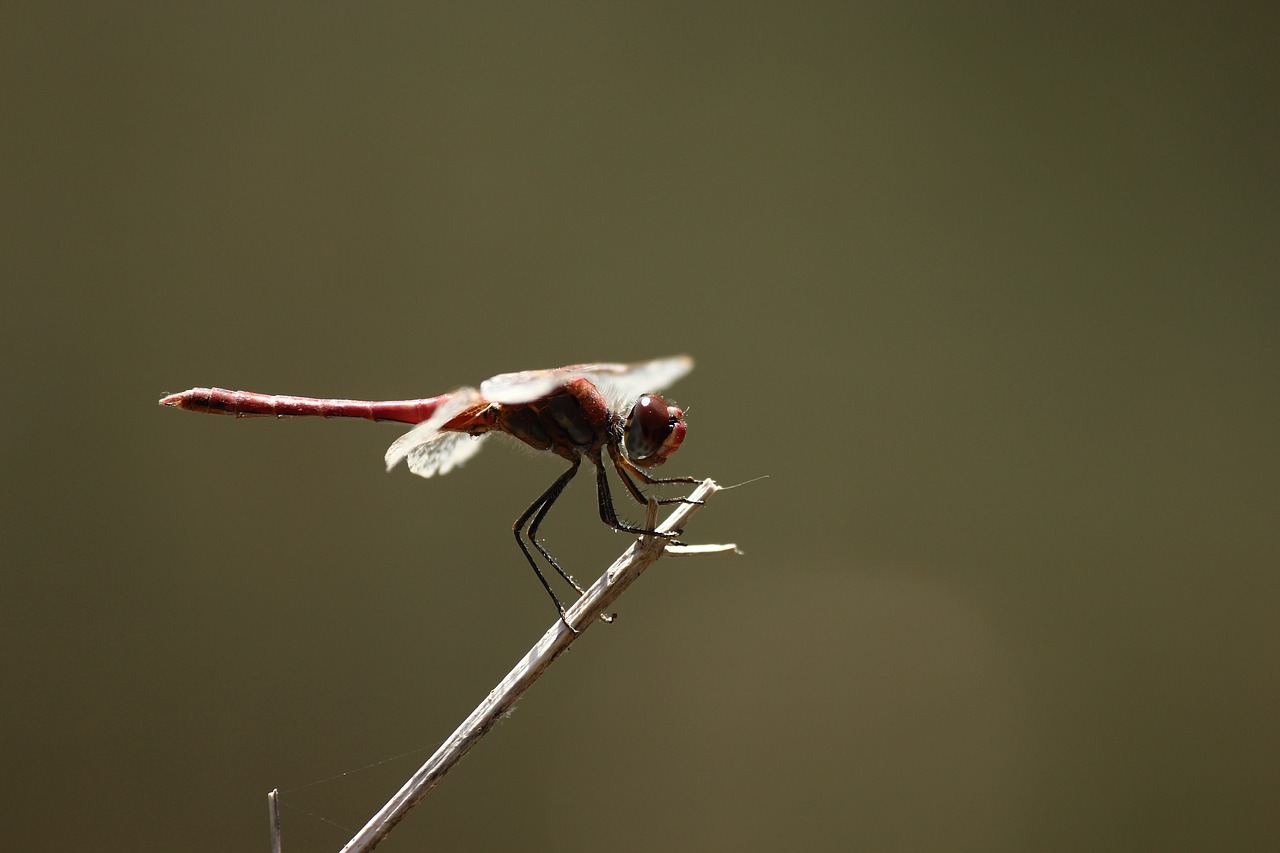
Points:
x=642 y=554
x=273 y=806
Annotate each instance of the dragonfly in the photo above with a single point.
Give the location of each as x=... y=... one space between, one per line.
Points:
x=583 y=410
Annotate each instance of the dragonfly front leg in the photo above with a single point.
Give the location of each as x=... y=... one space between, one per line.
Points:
x=609 y=515
x=625 y=468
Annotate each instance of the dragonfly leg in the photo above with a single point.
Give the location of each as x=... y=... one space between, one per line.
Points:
x=626 y=468
x=537 y=511
x=609 y=515
x=537 y=520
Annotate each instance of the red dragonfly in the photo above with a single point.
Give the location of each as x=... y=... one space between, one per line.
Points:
x=576 y=411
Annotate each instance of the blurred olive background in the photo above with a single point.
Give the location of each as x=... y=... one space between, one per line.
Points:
x=989 y=292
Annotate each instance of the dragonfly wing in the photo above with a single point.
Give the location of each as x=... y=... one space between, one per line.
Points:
x=625 y=381
x=526 y=385
x=442 y=455
x=431 y=450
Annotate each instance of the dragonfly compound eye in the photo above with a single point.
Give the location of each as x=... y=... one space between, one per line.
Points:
x=653 y=431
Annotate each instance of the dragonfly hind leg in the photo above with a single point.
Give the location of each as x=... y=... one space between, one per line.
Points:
x=537 y=511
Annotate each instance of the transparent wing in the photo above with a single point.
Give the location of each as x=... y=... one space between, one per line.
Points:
x=430 y=450
x=526 y=385
x=622 y=381
x=626 y=382
x=446 y=452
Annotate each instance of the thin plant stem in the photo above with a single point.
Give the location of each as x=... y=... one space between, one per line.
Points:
x=583 y=614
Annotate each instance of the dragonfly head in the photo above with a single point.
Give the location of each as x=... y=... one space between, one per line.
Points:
x=653 y=431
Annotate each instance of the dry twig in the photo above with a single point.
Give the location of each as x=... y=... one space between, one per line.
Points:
x=591 y=606
x=273 y=807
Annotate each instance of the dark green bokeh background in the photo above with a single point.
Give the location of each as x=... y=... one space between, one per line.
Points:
x=988 y=291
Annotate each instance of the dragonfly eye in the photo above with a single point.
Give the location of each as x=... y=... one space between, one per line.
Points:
x=653 y=431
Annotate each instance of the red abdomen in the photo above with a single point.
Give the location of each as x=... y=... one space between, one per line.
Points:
x=248 y=404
